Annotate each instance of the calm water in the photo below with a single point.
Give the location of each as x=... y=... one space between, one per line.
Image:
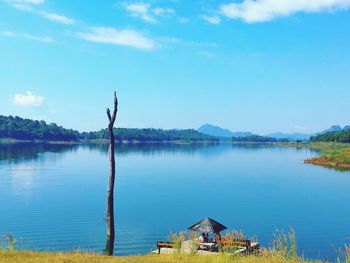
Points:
x=52 y=197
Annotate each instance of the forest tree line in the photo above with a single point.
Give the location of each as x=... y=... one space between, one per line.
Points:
x=258 y=138
x=27 y=129
x=156 y=135
x=338 y=136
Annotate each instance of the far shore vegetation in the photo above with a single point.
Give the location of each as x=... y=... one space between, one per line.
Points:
x=16 y=129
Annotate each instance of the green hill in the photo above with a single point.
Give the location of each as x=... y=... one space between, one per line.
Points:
x=337 y=136
x=154 y=135
x=26 y=129
x=16 y=128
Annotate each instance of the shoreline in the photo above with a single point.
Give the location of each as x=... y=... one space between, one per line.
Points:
x=104 y=141
x=322 y=161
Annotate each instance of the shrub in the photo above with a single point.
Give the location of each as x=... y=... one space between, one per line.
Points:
x=229 y=240
x=285 y=245
x=8 y=242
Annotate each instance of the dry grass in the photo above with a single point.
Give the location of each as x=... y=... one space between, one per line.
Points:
x=44 y=257
x=283 y=250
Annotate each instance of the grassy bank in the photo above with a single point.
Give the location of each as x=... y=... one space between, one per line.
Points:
x=333 y=155
x=34 y=257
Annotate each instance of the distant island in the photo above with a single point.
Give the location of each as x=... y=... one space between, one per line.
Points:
x=19 y=129
x=244 y=137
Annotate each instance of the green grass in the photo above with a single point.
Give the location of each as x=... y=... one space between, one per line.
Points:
x=45 y=257
x=332 y=154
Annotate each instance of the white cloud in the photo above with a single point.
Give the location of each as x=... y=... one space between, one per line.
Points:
x=28 y=100
x=24 y=5
x=44 y=39
x=27 y=6
x=140 y=10
x=114 y=36
x=8 y=34
x=57 y=18
x=24 y=2
x=36 y=2
x=145 y=12
x=215 y=20
x=163 y=11
x=252 y=11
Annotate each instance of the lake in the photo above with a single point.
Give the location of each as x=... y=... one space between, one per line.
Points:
x=52 y=197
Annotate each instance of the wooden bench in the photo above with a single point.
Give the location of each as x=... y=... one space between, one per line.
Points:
x=249 y=246
x=162 y=244
x=242 y=243
x=212 y=247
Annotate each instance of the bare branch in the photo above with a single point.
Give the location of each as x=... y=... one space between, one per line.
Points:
x=109 y=114
x=115 y=108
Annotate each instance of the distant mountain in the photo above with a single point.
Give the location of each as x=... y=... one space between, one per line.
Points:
x=217 y=131
x=306 y=136
x=242 y=134
x=291 y=136
x=333 y=128
x=221 y=132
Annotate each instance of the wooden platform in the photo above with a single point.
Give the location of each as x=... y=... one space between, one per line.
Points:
x=240 y=250
x=168 y=251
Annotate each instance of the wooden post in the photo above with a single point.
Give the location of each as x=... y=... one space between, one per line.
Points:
x=110 y=189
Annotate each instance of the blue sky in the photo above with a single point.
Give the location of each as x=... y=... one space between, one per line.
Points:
x=261 y=66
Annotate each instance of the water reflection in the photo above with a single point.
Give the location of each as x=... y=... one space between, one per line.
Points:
x=15 y=152
x=23 y=177
x=31 y=151
x=19 y=152
x=153 y=148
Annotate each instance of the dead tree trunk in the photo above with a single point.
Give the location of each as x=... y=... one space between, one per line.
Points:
x=110 y=189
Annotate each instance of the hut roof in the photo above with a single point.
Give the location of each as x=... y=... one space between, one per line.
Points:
x=208 y=225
